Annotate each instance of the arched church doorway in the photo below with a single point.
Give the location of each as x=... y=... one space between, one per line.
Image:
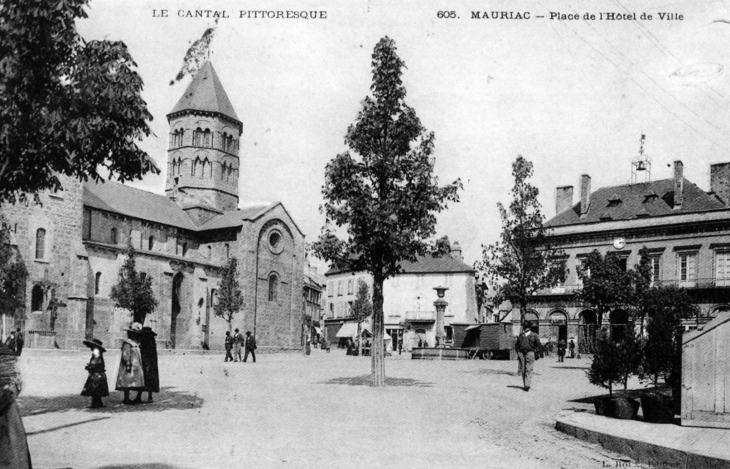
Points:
x=177 y=282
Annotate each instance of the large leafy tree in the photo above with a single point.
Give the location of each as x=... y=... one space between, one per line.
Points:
x=523 y=261
x=67 y=106
x=229 y=296
x=361 y=309
x=12 y=273
x=133 y=290
x=381 y=196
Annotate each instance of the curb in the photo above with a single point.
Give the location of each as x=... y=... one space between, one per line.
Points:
x=640 y=451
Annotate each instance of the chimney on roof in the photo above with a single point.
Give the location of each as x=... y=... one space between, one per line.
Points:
x=456 y=251
x=720 y=181
x=585 y=194
x=678 y=184
x=563 y=199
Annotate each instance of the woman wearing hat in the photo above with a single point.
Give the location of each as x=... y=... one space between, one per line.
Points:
x=96 y=385
x=131 y=374
x=13 y=441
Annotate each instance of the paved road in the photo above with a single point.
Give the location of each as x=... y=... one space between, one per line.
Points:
x=293 y=411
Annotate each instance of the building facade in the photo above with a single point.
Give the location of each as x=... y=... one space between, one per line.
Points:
x=684 y=230
x=72 y=243
x=408 y=298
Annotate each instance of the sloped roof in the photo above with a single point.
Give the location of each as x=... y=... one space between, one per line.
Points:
x=231 y=219
x=427 y=264
x=206 y=93
x=136 y=203
x=630 y=201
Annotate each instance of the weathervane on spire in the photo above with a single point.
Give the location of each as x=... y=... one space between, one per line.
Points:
x=641 y=165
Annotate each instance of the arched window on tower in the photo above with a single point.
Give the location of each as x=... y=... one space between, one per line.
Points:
x=197 y=170
x=113 y=236
x=40 y=244
x=224 y=169
x=229 y=144
x=197 y=137
x=207 y=138
x=210 y=253
x=150 y=243
x=273 y=287
x=97 y=283
x=230 y=172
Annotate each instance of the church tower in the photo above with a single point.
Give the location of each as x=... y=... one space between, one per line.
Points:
x=202 y=159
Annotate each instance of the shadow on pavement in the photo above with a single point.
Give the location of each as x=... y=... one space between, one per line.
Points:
x=571 y=367
x=365 y=380
x=151 y=465
x=167 y=399
x=487 y=371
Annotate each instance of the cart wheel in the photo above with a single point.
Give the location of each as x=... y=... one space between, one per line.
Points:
x=488 y=355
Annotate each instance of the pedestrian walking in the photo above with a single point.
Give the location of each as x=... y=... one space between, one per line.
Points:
x=229 y=347
x=10 y=343
x=326 y=344
x=131 y=374
x=14 y=450
x=528 y=344
x=148 y=348
x=19 y=342
x=237 y=346
x=96 y=385
x=250 y=347
x=571 y=347
x=561 y=351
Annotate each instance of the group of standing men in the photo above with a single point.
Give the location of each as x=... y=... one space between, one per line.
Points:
x=15 y=341
x=236 y=343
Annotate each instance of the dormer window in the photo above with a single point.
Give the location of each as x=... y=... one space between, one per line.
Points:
x=606 y=216
x=650 y=197
x=614 y=201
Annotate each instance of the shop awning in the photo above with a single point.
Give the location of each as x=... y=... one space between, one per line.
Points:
x=473 y=326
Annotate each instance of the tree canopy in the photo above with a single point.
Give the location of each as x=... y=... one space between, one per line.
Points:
x=381 y=196
x=523 y=261
x=133 y=290
x=67 y=106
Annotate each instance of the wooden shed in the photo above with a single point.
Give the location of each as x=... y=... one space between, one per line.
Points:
x=493 y=339
x=706 y=375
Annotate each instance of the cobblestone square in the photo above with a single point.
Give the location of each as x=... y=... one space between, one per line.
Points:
x=291 y=410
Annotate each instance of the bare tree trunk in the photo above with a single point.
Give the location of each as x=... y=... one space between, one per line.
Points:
x=359 y=339
x=377 y=351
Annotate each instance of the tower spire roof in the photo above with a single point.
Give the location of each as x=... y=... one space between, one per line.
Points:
x=206 y=93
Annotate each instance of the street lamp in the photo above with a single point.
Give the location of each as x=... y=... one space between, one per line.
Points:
x=440 y=305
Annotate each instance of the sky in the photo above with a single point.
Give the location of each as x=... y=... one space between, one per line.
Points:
x=573 y=96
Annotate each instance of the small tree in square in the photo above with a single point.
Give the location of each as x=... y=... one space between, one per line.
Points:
x=229 y=295
x=523 y=261
x=12 y=273
x=607 y=285
x=361 y=310
x=133 y=290
x=381 y=196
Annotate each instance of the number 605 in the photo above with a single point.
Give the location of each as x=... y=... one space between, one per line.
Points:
x=446 y=14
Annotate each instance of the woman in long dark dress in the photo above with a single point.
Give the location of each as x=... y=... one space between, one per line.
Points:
x=96 y=385
x=13 y=441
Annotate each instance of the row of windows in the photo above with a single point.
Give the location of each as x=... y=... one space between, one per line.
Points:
x=204 y=138
x=341 y=285
x=687 y=268
x=204 y=169
x=113 y=239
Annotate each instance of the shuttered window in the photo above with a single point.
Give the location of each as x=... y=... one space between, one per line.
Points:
x=722 y=269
